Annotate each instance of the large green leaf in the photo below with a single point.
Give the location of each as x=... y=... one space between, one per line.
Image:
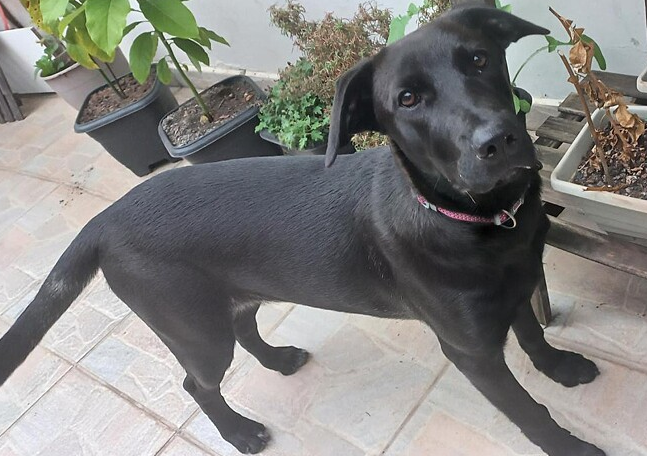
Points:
x=52 y=10
x=192 y=49
x=141 y=55
x=76 y=50
x=397 y=27
x=69 y=18
x=170 y=16
x=213 y=36
x=163 y=72
x=106 y=20
x=129 y=28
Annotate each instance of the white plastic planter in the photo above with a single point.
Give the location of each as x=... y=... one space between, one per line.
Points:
x=613 y=213
x=74 y=83
x=641 y=82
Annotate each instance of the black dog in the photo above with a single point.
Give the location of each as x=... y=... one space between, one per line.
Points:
x=418 y=231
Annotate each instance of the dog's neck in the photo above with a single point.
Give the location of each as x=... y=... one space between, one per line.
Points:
x=440 y=192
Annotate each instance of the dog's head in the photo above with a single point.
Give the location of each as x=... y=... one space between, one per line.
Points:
x=443 y=96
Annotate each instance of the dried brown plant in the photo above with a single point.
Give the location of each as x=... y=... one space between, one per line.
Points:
x=626 y=127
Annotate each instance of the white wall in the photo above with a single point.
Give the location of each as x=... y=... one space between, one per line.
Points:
x=617 y=25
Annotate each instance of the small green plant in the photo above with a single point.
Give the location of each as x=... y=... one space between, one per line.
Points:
x=299 y=121
x=51 y=61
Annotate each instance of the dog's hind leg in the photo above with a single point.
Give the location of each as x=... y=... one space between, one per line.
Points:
x=565 y=367
x=204 y=374
x=184 y=308
x=286 y=360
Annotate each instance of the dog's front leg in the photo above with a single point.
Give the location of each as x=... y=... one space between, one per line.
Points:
x=565 y=367
x=488 y=372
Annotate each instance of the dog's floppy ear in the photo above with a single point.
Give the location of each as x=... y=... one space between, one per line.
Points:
x=352 y=109
x=501 y=26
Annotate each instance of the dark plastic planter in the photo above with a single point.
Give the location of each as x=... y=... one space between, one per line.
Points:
x=235 y=138
x=129 y=134
x=319 y=149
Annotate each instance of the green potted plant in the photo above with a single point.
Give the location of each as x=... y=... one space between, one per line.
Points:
x=604 y=171
x=296 y=112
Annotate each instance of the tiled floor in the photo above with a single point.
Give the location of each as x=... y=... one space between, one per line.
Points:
x=102 y=384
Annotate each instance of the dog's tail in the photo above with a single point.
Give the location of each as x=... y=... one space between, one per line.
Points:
x=73 y=271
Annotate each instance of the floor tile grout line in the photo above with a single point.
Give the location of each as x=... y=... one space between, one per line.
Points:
x=413 y=411
x=147 y=411
x=66 y=183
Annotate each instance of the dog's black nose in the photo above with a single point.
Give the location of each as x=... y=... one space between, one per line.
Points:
x=495 y=145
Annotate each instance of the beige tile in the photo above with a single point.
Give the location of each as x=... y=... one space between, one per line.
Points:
x=50 y=226
x=457 y=419
x=180 y=447
x=65 y=159
x=609 y=412
x=79 y=416
x=414 y=339
x=107 y=177
x=13 y=243
x=13 y=285
x=136 y=362
x=309 y=328
x=18 y=194
x=445 y=435
x=368 y=406
x=15 y=159
x=356 y=390
x=40 y=371
x=304 y=439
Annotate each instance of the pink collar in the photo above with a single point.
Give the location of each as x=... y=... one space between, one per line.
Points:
x=499 y=219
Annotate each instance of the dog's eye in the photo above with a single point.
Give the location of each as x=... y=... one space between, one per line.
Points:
x=480 y=59
x=408 y=99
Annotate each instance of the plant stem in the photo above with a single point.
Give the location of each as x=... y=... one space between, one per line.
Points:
x=574 y=79
x=120 y=93
x=114 y=77
x=178 y=67
x=514 y=79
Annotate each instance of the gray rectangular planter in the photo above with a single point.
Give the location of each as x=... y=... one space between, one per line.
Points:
x=234 y=138
x=611 y=212
x=130 y=133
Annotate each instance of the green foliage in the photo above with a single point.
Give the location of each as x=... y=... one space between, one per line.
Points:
x=105 y=21
x=297 y=109
x=425 y=13
x=142 y=53
x=299 y=121
x=171 y=17
x=49 y=63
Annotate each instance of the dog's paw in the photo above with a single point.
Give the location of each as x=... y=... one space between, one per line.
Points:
x=288 y=360
x=249 y=437
x=570 y=369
